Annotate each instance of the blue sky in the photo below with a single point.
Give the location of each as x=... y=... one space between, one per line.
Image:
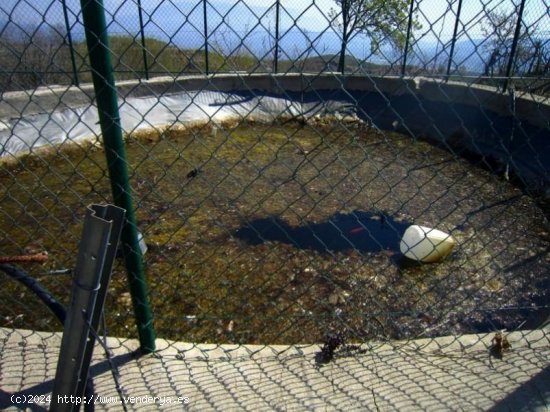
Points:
x=182 y=20
x=310 y=14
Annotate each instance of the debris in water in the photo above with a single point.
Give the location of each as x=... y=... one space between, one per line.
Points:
x=230 y=325
x=499 y=345
x=426 y=244
x=34 y=258
x=193 y=173
x=332 y=342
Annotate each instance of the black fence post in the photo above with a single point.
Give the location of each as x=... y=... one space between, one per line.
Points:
x=517 y=34
x=276 y=57
x=142 y=33
x=453 y=41
x=205 y=37
x=70 y=41
x=407 y=39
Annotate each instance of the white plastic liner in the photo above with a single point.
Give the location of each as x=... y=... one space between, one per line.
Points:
x=33 y=131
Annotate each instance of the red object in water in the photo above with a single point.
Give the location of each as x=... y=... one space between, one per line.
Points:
x=356 y=230
x=36 y=258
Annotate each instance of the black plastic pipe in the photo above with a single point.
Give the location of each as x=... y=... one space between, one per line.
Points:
x=32 y=284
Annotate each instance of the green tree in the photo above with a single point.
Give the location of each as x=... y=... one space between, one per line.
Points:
x=384 y=21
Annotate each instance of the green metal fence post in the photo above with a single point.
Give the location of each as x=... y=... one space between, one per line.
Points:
x=517 y=33
x=276 y=56
x=70 y=41
x=104 y=85
x=142 y=35
x=205 y=36
x=407 y=39
x=453 y=41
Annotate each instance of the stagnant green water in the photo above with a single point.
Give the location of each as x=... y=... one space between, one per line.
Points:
x=282 y=233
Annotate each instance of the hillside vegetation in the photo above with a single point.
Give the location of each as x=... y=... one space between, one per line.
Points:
x=46 y=59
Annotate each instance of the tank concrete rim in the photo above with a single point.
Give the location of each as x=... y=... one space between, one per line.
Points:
x=490 y=106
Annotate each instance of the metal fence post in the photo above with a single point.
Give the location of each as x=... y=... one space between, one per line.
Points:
x=116 y=216
x=97 y=250
x=205 y=36
x=453 y=41
x=70 y=41
x=104 y=85
x=276 y=57
x=140 y=12
x=517 y=33
x=407 y=39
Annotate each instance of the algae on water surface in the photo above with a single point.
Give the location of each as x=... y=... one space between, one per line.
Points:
x=279 y=233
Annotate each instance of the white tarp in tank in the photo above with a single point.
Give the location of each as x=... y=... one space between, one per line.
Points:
x=24 y=134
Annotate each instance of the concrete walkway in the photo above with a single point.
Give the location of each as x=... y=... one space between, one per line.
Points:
x=434 y=374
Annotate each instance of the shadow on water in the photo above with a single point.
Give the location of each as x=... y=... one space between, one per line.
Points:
x=362 y=231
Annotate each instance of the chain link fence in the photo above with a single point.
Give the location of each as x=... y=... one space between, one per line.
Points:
x=44 y=44
x=277 y=153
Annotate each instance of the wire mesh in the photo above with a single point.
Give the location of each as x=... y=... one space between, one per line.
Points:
x=274 y=175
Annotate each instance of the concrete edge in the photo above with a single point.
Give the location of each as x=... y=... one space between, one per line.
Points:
x=444 y=345
x=532 y=109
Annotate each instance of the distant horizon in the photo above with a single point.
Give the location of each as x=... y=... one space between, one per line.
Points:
x=295 y=44
x=248 y=27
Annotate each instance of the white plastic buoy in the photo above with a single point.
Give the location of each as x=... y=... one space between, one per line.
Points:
x=426 y=244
